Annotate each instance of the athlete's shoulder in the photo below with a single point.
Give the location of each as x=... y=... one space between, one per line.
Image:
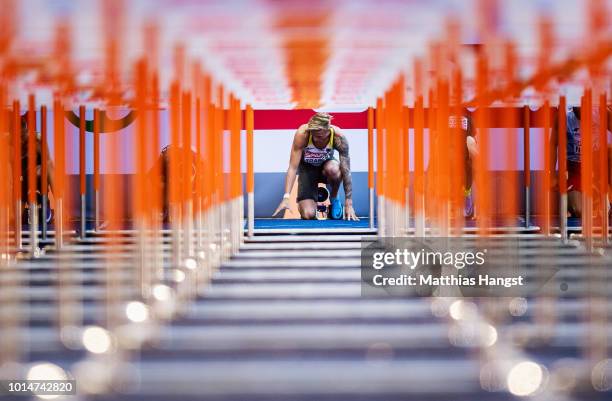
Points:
x=301 y=135
x=337 y=131
x=340 y=140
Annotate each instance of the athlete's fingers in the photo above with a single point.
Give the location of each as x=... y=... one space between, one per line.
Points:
x=279 y=209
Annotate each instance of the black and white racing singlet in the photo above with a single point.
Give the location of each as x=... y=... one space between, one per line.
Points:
x=315 y=156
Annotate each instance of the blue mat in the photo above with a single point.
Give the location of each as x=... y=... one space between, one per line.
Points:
x=363 y=223
x=316 y=224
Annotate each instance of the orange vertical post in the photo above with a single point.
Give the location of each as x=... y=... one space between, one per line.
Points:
x=250 y=183
x=388 y=165
x=221 y=125
x=44 y=157
x=44 y=190
x=527 y=164
x=458 y=157
x=207 y=142
x=391 y=150
x=238 y=155
x=172 y=185
x=234 y=126
x=82 y=182
x=187 y=155
x=388 y=149
x=509 y=202
x=5 y=190
x=402 y=145
x=545 y=200
x=17 y=171
x=96 y=172
x=60 y=169
x=140 y=203
x=443 y=142
x=215 y=153
x=143 y=273
x=419 y=167
x=603 y=166
x=562 y=160
x=235 y=171
x=586 y=167
x=154 y=148
x=31 y=174
x=174 y=173
x=198 y=146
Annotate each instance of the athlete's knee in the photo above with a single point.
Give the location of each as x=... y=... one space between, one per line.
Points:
x=332 y=170
x=308 y=213
x=472 y=147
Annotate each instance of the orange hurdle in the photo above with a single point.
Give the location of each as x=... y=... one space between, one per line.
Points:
x=235 y=199
x=406 y=165
x=140 y=200
x=173 y=172
x=44 y=186
x=457 y=171
x=603 y=168
x=31 y=174
x=17 y=189
x=82 y=181
x=562 y=159
x=419 y=167
x=586 y=167
x=546 y=198
x=59 y=171
x=527 y=164
x=250 y=183
x=509 y=204
x=186 y=173
x=5 y=180
x=96 y=177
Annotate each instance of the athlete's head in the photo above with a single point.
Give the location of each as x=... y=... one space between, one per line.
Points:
x=318 y=125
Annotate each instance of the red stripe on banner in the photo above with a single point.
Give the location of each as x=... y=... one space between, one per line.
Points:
x=292 y=119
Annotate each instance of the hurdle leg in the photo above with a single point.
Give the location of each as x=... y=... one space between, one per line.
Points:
x=32 y=181
x=562 y=160
x=44 y=203
x=18 y=226
x=82 y=170
x=59 y=223
x=43 y=172
x=563 y=216
x=527 y=164
x=58 y=190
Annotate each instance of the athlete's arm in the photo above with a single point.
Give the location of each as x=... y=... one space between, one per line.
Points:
x=299 y=141
x=342 y=146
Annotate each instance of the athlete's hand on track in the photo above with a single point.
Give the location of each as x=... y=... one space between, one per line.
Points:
x=349 y=212
x=284 y=205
